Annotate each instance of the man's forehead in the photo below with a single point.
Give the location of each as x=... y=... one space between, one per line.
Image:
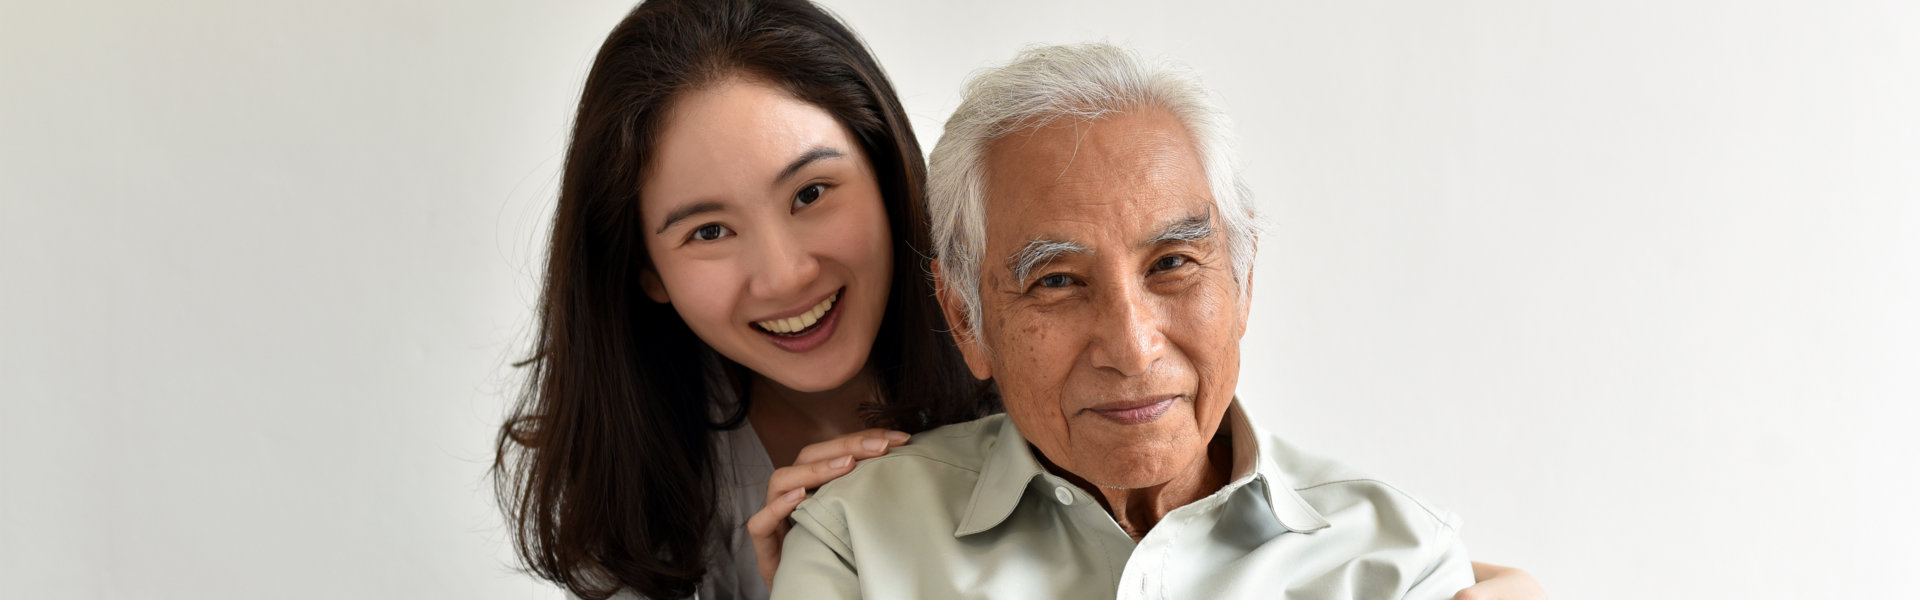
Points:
x=1145 y=151
x=1121 y=176
x=1091 y=228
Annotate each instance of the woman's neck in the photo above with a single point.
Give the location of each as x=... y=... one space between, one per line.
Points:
x=787 y=420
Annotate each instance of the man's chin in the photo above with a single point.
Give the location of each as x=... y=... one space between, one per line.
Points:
x=1135 y=466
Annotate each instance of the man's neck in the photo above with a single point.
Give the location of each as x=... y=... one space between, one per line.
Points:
x=1138 y=510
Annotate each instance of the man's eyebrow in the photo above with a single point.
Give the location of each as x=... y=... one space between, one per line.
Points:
x=1191 y=229
x=1038 y=253
x=817 y=153
x=688 y=211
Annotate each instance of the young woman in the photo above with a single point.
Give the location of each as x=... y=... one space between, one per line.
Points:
x=734 y=299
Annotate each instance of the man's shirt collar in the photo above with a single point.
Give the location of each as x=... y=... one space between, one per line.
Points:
x=1011 y=469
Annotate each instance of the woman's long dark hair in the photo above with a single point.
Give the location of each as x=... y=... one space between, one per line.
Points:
x=605 y=469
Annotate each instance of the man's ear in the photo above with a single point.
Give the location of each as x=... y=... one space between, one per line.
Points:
x=953 y=308
x=1246 y=305
x=650 y=283
x=1246 y=293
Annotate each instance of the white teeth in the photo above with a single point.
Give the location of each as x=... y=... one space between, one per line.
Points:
x=800 y=323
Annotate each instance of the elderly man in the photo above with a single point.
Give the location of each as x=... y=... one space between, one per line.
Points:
x=1095 y=250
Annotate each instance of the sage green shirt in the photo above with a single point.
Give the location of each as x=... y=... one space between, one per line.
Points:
x=965 y=511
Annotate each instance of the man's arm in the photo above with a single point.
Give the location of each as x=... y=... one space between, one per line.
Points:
x=812 y=568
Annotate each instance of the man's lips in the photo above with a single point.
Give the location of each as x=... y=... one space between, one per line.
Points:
x=1135 y=411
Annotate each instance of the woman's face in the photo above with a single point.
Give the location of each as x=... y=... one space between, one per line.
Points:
x=767 y=233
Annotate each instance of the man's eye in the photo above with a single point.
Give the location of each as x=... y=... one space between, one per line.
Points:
x=710 y=232
x=1055 y=280
x=808 y=195
x=1169 y=262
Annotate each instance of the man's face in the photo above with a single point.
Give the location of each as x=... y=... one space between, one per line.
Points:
x=1117 y=350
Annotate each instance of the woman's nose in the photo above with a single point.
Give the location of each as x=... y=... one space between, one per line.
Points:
x=785 y=267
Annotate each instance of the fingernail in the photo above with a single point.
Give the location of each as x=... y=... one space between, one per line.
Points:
x=897 y=436
x=795 y=495
x=840 y=462
x=873 y=444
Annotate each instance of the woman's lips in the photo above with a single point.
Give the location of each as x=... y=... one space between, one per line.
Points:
x=811 y=337
x=1135 y=412
x=799 y=321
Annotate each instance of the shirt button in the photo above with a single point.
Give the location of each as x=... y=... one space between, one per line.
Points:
x=1065 y=497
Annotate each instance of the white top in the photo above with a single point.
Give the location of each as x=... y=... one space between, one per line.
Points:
x=741 y=472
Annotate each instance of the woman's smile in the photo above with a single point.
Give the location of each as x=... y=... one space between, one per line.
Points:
x=795 y=323
x=805 y=331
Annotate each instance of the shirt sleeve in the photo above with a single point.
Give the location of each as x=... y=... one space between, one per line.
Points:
x=813 y=568
x=1448 y=573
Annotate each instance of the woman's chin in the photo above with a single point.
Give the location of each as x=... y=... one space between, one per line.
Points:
x=822 y=374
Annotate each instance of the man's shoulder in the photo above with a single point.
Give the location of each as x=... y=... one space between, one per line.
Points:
x=960 y=448
x=934 y=471
x=1359 y=528
x=1336 y=489
x=961 y=445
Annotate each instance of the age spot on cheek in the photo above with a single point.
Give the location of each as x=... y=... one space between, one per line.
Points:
x=1036 y=337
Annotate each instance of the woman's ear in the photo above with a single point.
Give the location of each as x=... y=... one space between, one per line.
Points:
x=957 y=325
x=650 y=283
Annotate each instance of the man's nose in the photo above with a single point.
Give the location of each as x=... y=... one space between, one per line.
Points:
x=1127 y=335
x=783 y=266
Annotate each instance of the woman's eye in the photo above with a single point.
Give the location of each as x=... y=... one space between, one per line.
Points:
x=1056 y=280
x=710 y=232
x=1169 y=262
x=808 y=195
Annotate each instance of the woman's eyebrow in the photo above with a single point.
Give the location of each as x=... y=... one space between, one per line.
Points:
x=817 y=153
x=688 y=211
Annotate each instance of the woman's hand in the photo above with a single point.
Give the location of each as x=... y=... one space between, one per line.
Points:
x=1494 y=582
x=817 y=464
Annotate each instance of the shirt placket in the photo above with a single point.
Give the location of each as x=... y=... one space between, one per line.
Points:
x=1116 y=546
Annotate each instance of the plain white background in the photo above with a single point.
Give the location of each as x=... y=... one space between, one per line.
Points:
x=1630 y=285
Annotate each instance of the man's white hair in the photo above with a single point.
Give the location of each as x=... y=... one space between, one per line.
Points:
x=1082 y=82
